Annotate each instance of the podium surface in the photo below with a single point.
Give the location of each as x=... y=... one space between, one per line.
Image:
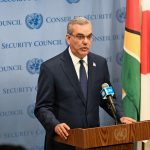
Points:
x=115 y=137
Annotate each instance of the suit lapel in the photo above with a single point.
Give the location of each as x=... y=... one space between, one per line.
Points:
x=91 y=73
x=69 y=70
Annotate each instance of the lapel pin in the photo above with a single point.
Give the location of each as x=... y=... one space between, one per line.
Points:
x=94 y=64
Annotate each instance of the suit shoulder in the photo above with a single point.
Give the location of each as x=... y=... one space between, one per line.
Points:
x=52 y=61
x=97 y=57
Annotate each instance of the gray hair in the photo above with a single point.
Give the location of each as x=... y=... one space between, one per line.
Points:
x=77 y=20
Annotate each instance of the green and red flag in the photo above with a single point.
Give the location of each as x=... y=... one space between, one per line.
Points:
x=131 y=60
x=136 y=60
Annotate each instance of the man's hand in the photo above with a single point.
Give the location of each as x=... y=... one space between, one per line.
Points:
x=62 y=130
x=127 y=120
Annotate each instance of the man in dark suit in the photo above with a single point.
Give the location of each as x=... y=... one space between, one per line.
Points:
x=62 y=102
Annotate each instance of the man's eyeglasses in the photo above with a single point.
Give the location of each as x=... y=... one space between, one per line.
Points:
x=82 y=36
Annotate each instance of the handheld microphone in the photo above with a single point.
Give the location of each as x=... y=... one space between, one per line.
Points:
x=107 y=93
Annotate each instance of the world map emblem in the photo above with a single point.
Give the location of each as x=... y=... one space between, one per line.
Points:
x=33 y=66
x=73 y=1
x=119 y=57
x=121 y=14
x=30 y=111
x=34 y=21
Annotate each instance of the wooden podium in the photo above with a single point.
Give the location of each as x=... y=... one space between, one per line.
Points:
x=116 y=137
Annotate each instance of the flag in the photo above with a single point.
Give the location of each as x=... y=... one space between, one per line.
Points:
x=136 y=61
x=131 y=60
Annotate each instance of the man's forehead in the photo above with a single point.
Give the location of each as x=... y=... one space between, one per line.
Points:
x=86 y=28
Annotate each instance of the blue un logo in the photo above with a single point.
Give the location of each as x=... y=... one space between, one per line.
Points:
x=34 y=21
x=30 y=111
x=72 y=1
x=121 y=14
x=119 y=58
x=33 y=66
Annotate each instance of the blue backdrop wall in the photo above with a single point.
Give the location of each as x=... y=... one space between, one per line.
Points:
x=32 y=31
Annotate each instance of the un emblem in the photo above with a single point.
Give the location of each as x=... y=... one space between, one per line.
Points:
x=119 y=57
x=121 y=14
x=30 y=111
x=33 y=66
x=120 y=134
x=72 y=1
x=34 y=21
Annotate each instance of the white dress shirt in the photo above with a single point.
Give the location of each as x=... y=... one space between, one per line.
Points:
x=76 y=63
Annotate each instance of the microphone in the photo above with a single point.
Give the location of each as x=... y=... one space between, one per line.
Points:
x=108 y=94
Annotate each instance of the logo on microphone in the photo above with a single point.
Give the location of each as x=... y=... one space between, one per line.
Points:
x=33 y=66
x=106 y=91
x=34 y=21
x=72 y=1
x=121 y=14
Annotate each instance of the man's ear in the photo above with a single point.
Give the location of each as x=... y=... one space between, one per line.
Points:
x=68 y=39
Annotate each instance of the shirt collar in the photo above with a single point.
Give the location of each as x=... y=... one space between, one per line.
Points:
x=75 y=59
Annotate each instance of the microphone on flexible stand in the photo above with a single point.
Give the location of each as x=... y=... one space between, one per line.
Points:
x=107 y=93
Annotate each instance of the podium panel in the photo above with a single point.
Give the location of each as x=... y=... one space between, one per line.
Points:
x=116 y=137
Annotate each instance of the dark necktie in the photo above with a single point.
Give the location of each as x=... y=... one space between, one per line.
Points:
x=83 y=78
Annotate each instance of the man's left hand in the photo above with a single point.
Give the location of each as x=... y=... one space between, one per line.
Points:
x=127 y=120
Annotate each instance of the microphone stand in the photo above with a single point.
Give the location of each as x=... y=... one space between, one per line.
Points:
x=112 y=108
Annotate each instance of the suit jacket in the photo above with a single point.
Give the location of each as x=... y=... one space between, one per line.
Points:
x=60 y=98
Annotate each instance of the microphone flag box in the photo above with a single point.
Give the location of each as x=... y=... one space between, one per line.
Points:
x=107 y=91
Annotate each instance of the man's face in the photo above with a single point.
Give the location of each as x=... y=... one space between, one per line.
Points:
x=81 y=40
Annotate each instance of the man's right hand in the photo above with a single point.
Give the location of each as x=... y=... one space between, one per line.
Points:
x=62 y=130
